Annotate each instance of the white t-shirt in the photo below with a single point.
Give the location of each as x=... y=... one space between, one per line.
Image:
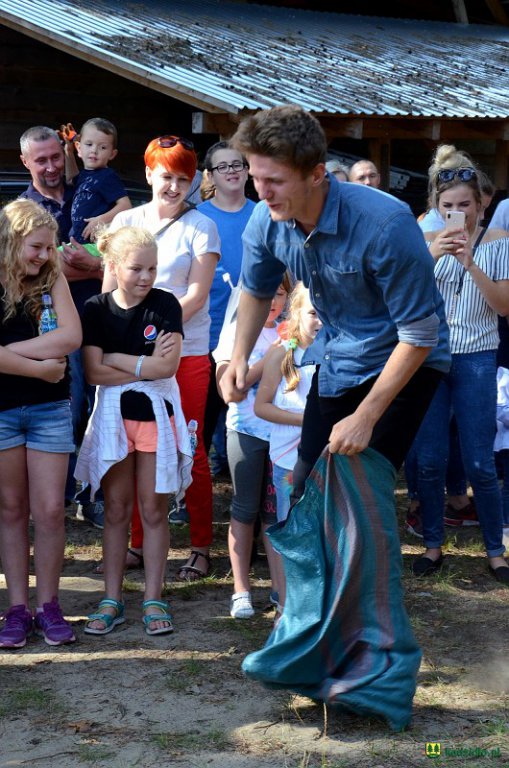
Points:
x=500 y=218
x=432 y=222
x=285 y=438
x=241 y=417
x=187 y=238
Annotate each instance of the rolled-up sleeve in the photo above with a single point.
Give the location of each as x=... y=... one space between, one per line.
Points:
x=421 y=333
x=262 y=272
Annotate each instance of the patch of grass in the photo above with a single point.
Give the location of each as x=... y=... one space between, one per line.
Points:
x=193 y=667
x=496 y=727
x=321 y=760
x=20 y=700
x=70 y=551
x=470 y=544
x=94 y=753
x=192 y=740
x=189 y=589
x=128 y=585
x=254 y=630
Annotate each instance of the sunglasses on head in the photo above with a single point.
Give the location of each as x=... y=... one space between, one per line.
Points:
x=166 y=142
x=463 y=174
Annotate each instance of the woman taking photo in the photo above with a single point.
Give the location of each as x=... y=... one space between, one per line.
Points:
x=472 y=274
x=188 y=250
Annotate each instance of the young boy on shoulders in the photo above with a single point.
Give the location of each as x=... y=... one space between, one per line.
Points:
x=100 y=194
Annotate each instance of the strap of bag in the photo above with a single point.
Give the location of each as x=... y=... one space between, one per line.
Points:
x=190 y=207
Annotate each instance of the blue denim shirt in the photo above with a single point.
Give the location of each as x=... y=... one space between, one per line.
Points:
x=370 y=278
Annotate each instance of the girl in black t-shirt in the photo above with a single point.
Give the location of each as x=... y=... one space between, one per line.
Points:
x=131 y=344
x=35 y=420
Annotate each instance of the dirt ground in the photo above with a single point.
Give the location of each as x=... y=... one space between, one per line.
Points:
x=181 y=700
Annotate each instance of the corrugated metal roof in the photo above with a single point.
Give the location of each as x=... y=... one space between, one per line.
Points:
x=227 y=56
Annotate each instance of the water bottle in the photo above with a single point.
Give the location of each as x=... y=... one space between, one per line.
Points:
x=193 y=437
x=48 y=319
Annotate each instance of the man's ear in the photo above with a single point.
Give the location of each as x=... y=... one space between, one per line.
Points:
x=23 y=161
x=318 y=174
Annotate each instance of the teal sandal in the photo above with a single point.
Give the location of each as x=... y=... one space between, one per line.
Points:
x=163 y=616
x=109 y=621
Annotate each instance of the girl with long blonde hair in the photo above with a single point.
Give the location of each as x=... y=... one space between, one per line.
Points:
x=35 y=420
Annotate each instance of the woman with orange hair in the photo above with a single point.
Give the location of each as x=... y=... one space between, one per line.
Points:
x=188 y=250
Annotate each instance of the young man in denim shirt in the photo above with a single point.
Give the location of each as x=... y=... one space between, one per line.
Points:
x=385 y=339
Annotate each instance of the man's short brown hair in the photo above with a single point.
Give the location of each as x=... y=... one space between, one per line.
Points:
x=288 y=134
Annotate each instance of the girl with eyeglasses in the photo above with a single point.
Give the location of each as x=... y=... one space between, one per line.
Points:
x=229 y=208
x=188 y=249
x=472 y=273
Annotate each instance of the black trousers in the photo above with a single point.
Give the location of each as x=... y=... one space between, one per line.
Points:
x=215 y=404
x=392 y=436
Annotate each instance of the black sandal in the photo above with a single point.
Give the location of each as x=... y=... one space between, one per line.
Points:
x=190 y=567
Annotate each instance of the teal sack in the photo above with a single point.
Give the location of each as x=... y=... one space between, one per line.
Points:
x=344 y=637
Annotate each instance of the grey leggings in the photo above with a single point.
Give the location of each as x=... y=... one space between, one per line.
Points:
x=247 y=459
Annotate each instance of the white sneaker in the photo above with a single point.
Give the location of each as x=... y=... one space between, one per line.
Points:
x=241 y=606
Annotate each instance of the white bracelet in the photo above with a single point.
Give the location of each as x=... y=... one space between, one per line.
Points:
x=139 y=363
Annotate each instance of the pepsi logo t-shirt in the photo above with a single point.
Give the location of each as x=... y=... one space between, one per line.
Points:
x=131 y=331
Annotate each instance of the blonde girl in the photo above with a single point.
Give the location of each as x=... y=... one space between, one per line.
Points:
x=132 y=338
x=247 y=445
x=281 y=395
x=35 y=420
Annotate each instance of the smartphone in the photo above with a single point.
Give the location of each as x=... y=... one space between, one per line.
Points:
x=455 y=220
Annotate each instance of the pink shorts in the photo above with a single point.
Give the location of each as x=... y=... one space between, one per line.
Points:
x=141 y=436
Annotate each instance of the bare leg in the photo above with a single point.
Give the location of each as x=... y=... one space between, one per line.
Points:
x=240 y=544
x=47 y=474
x=156 y=534
x=14 y=512
x=276 y=568
x=118 y=486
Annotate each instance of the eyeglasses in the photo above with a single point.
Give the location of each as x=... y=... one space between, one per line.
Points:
x=166 y=142
x=463 y=174
x=237 y=165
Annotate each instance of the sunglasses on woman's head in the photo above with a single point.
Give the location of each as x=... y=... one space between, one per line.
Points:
x=166 y=142
x=463 y=174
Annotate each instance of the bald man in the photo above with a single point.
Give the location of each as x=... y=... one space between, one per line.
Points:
x=365 y=172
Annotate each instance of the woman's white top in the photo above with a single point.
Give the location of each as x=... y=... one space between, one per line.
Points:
x=473 y=324
x=105 y=441
x=190 y=236
x=285 y=438
x=502 y=436
x=240 y=417
x=432 y=221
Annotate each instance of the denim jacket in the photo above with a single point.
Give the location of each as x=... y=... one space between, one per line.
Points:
x=370 y=278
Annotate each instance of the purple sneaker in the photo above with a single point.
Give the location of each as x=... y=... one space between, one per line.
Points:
x=17 y=627
x=52 y=626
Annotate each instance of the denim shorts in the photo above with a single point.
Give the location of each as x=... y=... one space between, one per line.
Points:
x=45 y=427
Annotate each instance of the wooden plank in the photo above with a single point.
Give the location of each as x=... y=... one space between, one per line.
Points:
x=206 y=123
x=338 y=127
x=475 y=129
x=501 y=165
x=498 y=12
x=460 y=11
x=380 y=155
